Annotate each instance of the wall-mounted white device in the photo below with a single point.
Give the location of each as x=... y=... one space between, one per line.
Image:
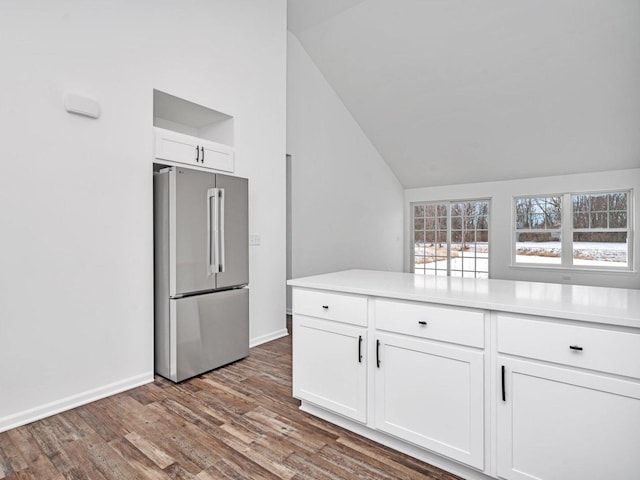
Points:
x=81 y=105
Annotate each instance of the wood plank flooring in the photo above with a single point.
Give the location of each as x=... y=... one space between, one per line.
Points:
x=236 y=422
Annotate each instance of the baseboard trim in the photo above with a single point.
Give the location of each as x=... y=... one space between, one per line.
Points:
x=268 y=337
x=73 y=401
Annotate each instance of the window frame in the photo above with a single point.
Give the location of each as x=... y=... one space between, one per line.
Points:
x=560 y=229
x=567 y=230
x=412 y=253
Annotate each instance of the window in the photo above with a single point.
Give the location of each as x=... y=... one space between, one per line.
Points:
x=538 y=229
x=601 y=229
x=451 y=238
x=574 y=230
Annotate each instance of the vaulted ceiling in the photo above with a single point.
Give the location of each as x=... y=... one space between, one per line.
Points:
x=453 y=91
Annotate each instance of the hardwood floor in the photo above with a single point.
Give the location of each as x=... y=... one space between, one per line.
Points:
x=236 y=422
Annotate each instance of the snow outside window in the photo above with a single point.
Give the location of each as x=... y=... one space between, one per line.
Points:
x=451 y=238
x=583 y=230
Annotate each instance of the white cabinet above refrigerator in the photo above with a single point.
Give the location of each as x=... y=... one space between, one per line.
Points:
x=174 y=147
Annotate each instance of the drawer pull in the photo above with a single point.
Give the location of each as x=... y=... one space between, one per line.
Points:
x=575 y=347
x=326 y=307
x=360 y=349
x=422 y=322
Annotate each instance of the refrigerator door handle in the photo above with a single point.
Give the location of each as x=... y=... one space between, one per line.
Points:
x=221 y=255
x=212 y=231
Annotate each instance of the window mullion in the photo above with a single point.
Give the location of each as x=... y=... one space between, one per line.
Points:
x=566 y=252
x=448 y=239
x=412 y=243
x=630 y=250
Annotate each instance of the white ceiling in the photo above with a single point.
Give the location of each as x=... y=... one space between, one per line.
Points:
x=453 y=91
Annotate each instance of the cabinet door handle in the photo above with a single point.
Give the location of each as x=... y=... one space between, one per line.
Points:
x=197 y=154
x=326 y=307
x=202 y=150
x=575 y=347
x=378 y=353
x=504 y=394
x=359 y=348
x=422 y=322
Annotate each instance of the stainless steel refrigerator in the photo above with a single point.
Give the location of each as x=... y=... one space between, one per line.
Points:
x=201 y=252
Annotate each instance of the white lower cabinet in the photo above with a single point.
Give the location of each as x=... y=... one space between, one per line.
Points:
x=561 y=400
x=557 y=423
x=329 y=365
x=431 y=395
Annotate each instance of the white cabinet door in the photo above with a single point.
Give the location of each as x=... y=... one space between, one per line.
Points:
x=216 y=156
x=431 y=394
x=177 y=147
x=560 y=424
x=329 y=365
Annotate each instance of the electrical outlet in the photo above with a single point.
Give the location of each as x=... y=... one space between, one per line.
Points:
x=566 y=278
x=254 y=239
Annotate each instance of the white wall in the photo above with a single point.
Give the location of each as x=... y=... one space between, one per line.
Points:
x=502 y=193
x=346 y=203
x=76 y=316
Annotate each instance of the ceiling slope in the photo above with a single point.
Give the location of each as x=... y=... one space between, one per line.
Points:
x=304 y=14
x=451 y=91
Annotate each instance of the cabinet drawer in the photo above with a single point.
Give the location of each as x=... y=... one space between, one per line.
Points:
x=462 y=326
x=594 y=348
x=332 y=306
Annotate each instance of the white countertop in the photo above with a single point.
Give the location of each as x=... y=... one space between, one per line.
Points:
x=613 y=306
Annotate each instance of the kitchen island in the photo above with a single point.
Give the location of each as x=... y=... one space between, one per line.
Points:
x=483 y=378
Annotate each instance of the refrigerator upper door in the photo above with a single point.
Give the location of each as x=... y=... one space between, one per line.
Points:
x=194 y=217
x=233 y=243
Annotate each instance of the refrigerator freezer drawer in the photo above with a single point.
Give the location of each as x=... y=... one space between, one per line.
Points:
x=207 y=332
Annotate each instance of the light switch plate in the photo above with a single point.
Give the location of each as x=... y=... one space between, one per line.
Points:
x=254 y=239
